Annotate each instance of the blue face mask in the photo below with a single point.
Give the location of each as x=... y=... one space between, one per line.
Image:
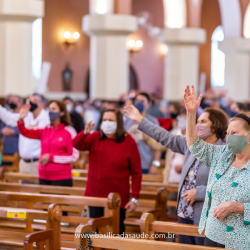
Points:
x=223 y=102
x=181 y=123
x=140 y=106
x=54 y=115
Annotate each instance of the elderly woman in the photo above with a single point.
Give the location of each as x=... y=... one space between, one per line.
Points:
x=212 y=126
x=226 y=210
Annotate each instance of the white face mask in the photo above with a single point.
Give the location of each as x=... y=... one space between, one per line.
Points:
x=109 y=127
x=69 y=108
x=79 y=109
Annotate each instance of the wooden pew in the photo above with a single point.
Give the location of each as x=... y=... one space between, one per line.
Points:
x=128 y=244
x=149 y=226
x=14 y=159
x=111 y=206
x=149 y=202
x=145 y=177
x=11 y=236
x=81 y=182
x=152 y=202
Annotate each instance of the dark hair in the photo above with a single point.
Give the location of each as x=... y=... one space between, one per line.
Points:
x=144 y=94
x=65 y=119
x=219 y=121
x=42 y=98
x=241 y=106
x=68 y=98
x=120 y=131
x=20 y=99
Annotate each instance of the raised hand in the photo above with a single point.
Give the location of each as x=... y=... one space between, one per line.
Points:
x=89 y=127
x=133 y=113
x=191 y=103
x=23 y=112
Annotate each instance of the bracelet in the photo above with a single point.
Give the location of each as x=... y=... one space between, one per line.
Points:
x=135 y=201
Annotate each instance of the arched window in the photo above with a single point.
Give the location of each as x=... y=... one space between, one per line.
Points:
x=37 y=48
x=217 y=59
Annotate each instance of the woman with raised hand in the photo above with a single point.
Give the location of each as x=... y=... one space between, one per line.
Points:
x=226 y=210
x=211 y=127
x=57 y=152
x=113 y=159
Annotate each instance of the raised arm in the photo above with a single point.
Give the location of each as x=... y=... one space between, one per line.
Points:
x=192 y=105
x=8 y=117
x=203 y=151
x=175 y=142
x=29 y=133
x=83 y=140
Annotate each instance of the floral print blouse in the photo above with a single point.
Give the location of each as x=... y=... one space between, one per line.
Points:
x=225 y=183
x=183 y=210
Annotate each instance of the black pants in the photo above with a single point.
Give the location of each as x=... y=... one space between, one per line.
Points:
x=96 y=212
x=211 y=243
x=65 y=183
x=184 y=239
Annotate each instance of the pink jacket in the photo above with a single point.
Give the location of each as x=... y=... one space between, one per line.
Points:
x=58 y=144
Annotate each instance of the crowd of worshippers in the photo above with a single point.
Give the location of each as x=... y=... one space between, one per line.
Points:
x=204 y=141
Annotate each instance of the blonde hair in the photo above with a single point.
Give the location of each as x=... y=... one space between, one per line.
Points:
x=246 y=125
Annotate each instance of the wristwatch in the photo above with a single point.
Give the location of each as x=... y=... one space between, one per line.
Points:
x=156 y=163
x=135 y=201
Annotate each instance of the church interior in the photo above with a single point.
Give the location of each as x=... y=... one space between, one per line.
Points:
x=124 y=124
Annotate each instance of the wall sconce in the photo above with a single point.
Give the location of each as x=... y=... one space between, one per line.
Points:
x=134 y=46
x=163 y=49
x=70 y=39
x=101 y=7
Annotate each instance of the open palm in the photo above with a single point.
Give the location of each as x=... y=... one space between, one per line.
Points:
x=24 y=111
x=133 y=113
x=191 y=103
x=89 y=127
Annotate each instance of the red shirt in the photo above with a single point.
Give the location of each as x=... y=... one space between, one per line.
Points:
x=58 y=144
x=110 y=166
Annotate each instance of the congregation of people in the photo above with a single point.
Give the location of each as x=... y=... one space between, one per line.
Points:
x=203 y=142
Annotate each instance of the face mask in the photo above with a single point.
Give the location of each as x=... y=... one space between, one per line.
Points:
x=12 y=105
x=203 y=131
x=109 y=127
x=237 y=143
x=173 y=115
x=223 y=102
x=79 y=109
x=54 y=115
x=33 y=106
x=69 y=108
x=140 y=106
x=181 y=123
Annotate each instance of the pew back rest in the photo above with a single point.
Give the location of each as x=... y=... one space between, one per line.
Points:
x=111 y=204
x=149 y=226
x=13 y=234
x=127 y=243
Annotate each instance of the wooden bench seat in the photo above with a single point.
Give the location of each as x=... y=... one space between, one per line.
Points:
x=12 y=237
x=128 y=243
x=108 y=223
